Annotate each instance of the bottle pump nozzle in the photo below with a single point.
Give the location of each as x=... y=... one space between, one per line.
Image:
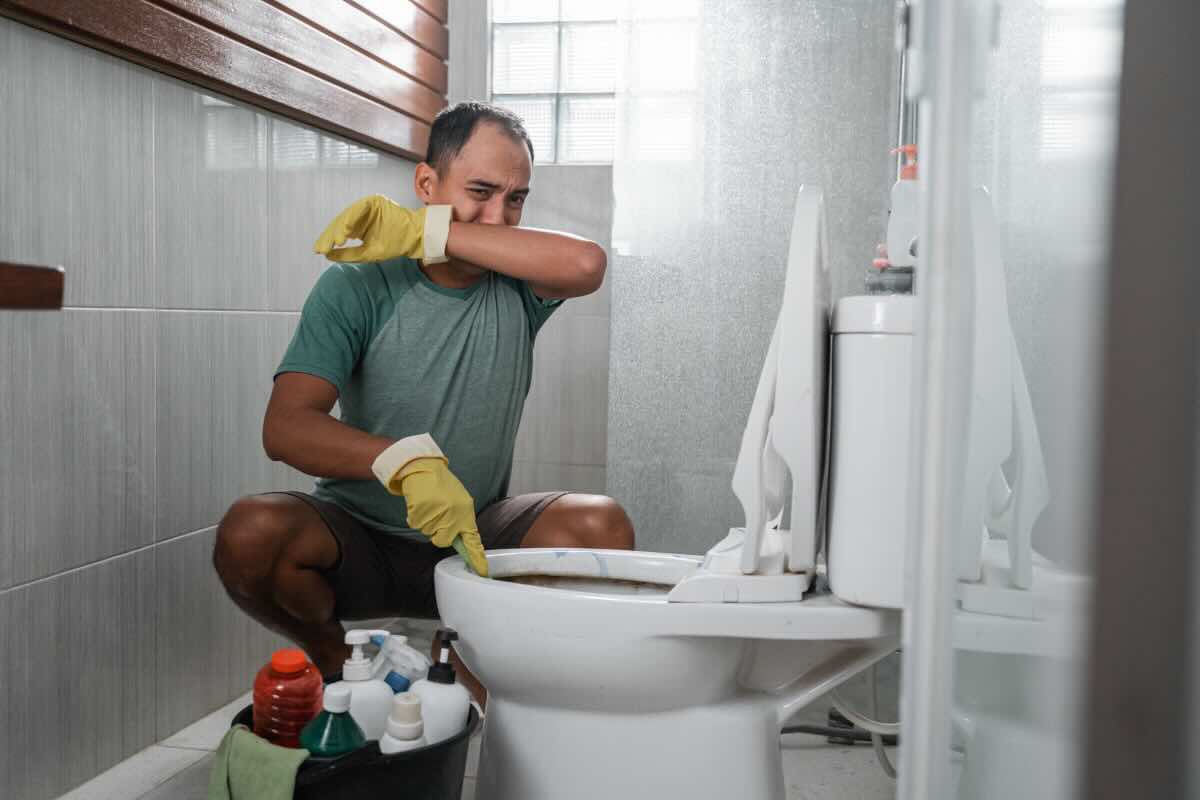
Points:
x=443 y=671
x=358 y=667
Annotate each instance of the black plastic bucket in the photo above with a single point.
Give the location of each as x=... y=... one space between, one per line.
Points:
x=434 y=772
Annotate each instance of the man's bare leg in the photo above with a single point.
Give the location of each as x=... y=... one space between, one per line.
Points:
x=269 y=553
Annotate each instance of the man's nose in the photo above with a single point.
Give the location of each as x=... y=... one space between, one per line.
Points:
x=493 y=211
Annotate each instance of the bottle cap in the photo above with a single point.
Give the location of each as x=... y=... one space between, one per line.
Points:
x=396 y=681
x=289 y=661
x=337 y=699
x=404 y=721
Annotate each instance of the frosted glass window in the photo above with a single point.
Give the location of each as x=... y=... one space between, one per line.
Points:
x=666 y=130
x=1081 y=55
x=663 y=57
x=554 y=64
x=588 y=60
x=538 y=113
x=588 y=130
x=578 y=10
x=1077 y=125
x=524 y=10
x=524 y=59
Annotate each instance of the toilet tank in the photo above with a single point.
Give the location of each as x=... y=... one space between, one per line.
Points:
x=869 y=449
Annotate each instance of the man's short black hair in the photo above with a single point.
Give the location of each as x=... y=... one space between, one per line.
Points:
x=453 y=126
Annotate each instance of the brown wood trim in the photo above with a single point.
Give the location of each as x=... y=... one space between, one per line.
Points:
x=435 y=7
x=167 y=41
x=28 y=286
x=367 y=35
x=285 y=37
x=407 y=18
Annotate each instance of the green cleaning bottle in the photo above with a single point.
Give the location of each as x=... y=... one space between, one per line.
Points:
x=333 y=732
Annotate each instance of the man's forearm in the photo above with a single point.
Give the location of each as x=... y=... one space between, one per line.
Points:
x=569 y=265
x=319 y=445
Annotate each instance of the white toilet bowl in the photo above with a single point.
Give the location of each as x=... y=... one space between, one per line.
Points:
x=598 y=687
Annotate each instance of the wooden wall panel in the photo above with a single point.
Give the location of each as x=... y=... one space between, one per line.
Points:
x=411 y=20
x=375 y=77
x=365 y=33
x=435 y=7
x=304 y=47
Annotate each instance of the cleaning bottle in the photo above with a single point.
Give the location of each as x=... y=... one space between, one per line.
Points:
x=333 y=732
x=405 y=730
x=445 y=704
x=397 y=663
x=370 y=698
x=287 y=695
x=905 y=216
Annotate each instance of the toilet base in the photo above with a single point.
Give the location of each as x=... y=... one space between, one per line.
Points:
x=721 y=751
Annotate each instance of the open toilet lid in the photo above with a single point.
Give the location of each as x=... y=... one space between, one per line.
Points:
x=785 y=431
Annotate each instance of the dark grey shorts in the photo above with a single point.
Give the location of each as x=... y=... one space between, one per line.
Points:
x=379 y=574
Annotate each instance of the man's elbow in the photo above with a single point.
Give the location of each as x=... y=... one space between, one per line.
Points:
x=272 y=440
x=592 y=265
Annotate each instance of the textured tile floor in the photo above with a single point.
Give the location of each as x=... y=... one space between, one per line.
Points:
x=177 y=768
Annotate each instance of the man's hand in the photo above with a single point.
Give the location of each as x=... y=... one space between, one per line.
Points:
x=438 y=504
x=387 y=230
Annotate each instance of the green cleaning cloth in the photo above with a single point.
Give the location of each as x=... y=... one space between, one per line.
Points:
x=250 y=768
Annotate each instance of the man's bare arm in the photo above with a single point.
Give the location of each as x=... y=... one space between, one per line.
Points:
x=298 y=430
x=554 y=264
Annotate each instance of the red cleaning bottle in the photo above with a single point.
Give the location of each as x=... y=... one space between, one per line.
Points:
x=287 y=695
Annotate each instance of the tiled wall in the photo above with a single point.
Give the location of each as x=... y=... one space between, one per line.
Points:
x=130 y=420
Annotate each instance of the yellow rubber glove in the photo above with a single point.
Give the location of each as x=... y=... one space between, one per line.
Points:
x=387 y=230
x=438 y=504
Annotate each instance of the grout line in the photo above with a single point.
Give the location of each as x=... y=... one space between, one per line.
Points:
x=186 y=310
x=105 y=560
x=184 y=746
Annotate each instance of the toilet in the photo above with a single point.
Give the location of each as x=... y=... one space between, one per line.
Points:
x=635 y=674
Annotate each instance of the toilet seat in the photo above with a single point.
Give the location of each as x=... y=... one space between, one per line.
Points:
x=817 y=617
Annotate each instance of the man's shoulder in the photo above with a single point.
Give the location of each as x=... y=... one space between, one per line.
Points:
x=368 y=279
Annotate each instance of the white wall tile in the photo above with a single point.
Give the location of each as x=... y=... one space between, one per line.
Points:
x=77 y=474
x=213 y=205
x=78 y=669
x=209 y=650
x=76 y=184
x=214 y=378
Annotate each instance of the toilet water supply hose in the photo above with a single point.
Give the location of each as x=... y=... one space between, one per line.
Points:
x=874 y=727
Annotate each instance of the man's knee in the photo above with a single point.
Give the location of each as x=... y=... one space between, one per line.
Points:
x=602 y=523
x=250 y=539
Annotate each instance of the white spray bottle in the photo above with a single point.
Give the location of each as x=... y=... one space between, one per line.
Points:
x=370 y=698
x=445 y=703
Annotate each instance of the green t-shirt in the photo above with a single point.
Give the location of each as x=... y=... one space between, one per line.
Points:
x=407 y=357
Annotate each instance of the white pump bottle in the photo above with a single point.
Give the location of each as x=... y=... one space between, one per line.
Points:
x=370 y=698
x=445 y=703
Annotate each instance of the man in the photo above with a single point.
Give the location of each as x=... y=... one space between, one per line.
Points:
x=427 y=346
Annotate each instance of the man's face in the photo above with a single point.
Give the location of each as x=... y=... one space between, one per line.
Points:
x=486 y=182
